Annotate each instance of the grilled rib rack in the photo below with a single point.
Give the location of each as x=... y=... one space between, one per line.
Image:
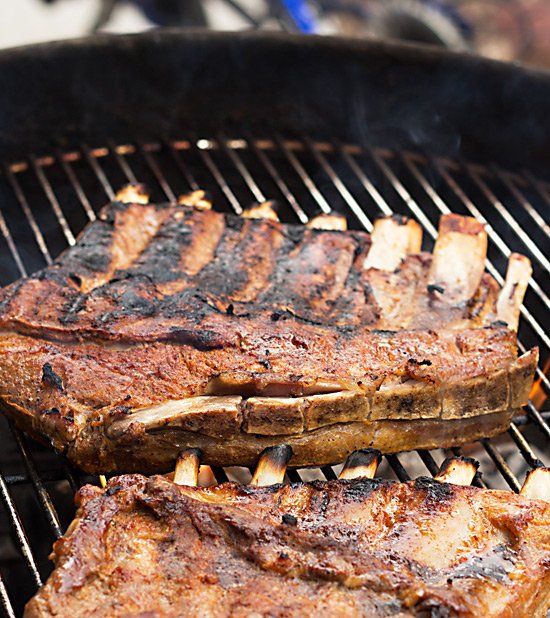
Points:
x=46 y=200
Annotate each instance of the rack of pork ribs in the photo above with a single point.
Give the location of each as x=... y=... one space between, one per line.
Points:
x=170 y=326
x=163 y=547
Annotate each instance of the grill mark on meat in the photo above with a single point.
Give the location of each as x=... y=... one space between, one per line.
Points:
x=224 y=274
x=207 y=233
x=311 y=279
x=260 y=251
x=134 y=227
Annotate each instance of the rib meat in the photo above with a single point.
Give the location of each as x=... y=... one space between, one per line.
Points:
x=360 y=547
x=173 y=325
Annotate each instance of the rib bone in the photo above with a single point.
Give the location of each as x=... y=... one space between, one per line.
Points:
x=187 y=467
x=457 y=470
x=271 y=466
x=326 y=221
x=197 y=199
x=511 y=296
x=361 y=464
x=537 y=484
x=133 y=194
x=458 y=258
x=393 y=238
x=265 y=210
x=208 y=415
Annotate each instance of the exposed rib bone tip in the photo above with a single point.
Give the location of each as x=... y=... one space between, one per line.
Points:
x=459 y=254
x=265 y=210
x=361 y=464
x=457 y=470
x=537 y=484
x=187 y=467
x=206 y=477
x=325 y=221
x=271 y=466
x=196 y=199
x=393 y=238
x=133 y=194
x=510 y=298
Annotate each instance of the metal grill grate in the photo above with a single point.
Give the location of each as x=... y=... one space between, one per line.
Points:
x=46 y=200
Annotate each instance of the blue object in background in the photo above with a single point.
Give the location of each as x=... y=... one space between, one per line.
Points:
x=302 y=15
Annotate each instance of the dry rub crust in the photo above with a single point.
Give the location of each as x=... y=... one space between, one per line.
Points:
x=354 y=548
x=170 y=326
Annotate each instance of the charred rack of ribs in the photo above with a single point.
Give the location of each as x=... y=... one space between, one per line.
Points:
x=350 y=547
x=172 y=326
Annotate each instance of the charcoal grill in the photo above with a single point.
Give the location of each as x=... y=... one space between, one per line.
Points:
x=55 y=177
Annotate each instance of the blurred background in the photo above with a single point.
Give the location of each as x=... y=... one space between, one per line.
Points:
x=517 y=30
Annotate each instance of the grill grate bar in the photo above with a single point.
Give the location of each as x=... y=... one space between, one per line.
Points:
x=501 y=464
x=532 y=460
x=293 y=476
x=398 y=468
x=367 y=184
x=46 y=502
x=75 y=183
x=520 y=197
x=157 y=172
x=117 y=152
x=281 y=184
x=541 y=189
x=5 y=600
x=220 y=474
x=17 y=527
x=538 y=418
x=16 y=187
x=329 y=473
x=304 y=176
x=505 y=214
x=242 y=169
x=218 y=176
x=99 y=173
x=11 y=245
x=342 y=189
x=56 y=207
x=404 y=194
x=181 y=166
x=429 y=461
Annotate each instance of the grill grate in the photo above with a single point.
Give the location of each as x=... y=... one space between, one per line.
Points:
x=46 y=200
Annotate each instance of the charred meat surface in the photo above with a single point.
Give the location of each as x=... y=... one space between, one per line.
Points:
x=359 y=547
x=173 y=325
